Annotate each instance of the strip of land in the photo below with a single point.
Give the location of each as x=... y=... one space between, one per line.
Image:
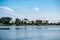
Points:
x=7 y=21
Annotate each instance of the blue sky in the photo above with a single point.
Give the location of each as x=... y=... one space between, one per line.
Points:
x=31 y=9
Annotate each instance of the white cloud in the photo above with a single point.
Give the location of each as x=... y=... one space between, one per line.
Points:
x=46 y=16
x=36 y=8
x=11 y=11
x=7 y=8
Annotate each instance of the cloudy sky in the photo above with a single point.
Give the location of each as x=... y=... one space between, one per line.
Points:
x=31 y=9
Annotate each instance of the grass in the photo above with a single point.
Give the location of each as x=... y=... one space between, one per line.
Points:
x=2 y=24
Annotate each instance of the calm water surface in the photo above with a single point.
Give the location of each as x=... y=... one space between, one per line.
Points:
x=29 y=32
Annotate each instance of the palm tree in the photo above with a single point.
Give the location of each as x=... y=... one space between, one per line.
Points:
x=25 y=21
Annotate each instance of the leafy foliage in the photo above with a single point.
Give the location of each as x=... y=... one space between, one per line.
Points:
x=6 y=21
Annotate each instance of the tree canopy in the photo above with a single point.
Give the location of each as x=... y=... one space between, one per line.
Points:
x=6 y=20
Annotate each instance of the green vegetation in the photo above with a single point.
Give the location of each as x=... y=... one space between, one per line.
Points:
x=7 y=21
x=1 y=24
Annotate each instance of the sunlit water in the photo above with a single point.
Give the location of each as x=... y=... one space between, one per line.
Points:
x=30 y=33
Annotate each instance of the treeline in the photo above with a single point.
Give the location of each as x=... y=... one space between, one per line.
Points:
x=18 y=22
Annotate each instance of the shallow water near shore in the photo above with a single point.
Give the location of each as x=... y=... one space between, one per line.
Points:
x=29 y=32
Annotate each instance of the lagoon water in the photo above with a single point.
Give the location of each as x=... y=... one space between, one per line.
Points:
x=29 y=32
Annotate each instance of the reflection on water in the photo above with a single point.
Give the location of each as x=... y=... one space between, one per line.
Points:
x=31 y=33
x=29 y=28
x=4 y=28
